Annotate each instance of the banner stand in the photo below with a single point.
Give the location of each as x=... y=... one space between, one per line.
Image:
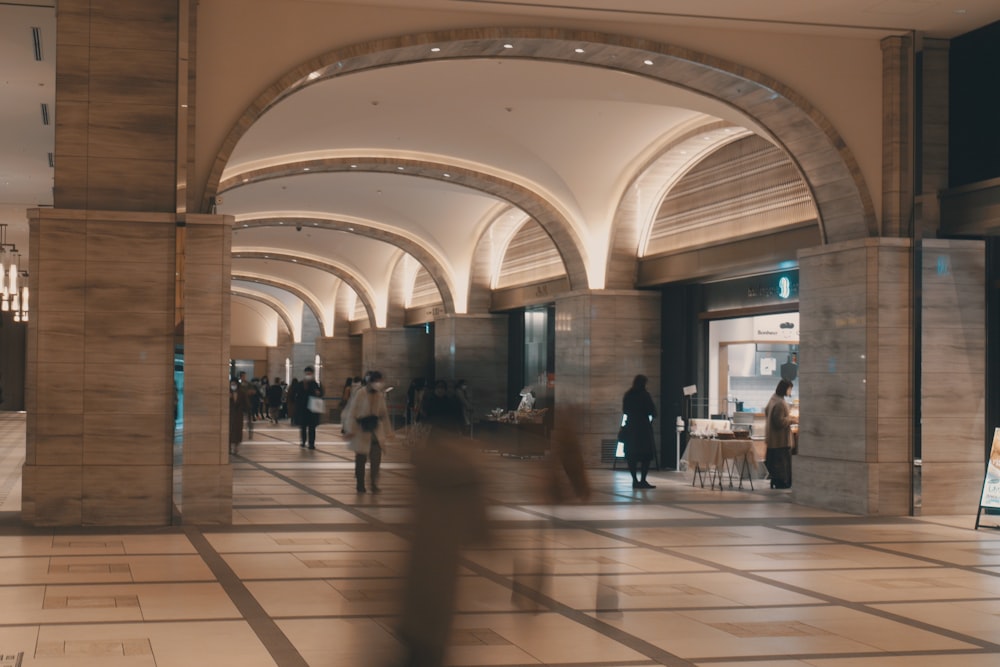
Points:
x=990 y=499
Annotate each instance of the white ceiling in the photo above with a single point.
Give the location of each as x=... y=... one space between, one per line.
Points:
x=529 y=123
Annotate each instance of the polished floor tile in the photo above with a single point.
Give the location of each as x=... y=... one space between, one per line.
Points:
x=312 y=573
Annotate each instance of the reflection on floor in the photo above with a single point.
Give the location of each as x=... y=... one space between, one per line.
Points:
x=310 y=571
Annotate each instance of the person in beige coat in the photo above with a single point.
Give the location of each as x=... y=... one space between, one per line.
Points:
x=366 y=424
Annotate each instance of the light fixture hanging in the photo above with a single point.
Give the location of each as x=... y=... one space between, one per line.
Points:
x=13 y=297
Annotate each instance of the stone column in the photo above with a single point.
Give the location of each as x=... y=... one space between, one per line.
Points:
x=100 y=369
x=953 y=375
x=205 y=477
x=855 y=370
x=934 y=132
x=341 y=357
x=401 y=355
x=603 y=340
x=474 y=348
x=897 y=136
x=114 y=289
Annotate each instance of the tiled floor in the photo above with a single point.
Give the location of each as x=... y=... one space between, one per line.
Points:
x=311 y=573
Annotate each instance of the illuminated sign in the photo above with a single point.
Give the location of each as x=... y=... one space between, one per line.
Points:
x=784 y=287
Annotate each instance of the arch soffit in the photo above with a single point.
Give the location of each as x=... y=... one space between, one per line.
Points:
x=271 y=303
x=362 y=290
x=829 y=168
x=549 y=216
x=641 y=199
x=487 y=257
x=311 y=302
x=435 y=266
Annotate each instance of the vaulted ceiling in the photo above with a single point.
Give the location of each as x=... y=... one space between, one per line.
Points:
x=342 y=188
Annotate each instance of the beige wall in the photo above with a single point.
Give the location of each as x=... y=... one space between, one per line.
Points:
x=841 y=77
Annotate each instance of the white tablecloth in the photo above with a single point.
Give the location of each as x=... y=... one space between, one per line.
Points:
x=735 y=458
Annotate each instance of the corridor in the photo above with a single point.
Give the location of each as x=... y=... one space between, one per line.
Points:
x=310 y=571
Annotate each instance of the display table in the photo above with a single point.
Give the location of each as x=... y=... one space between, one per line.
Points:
x=522 y=439
x=722 y=458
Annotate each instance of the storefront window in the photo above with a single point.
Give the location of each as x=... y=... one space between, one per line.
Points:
x=539 y=358
x=747 y=358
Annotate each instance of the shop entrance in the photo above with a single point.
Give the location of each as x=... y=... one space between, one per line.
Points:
x=747 y=357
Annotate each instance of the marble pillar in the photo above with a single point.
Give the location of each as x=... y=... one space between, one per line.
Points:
x=401 y=354
x=603 y=340
x=474 y=348
x=203 y=471
x=897 y=135
x=933 y=178
x=100 y=369
x=341 y=357
x=953 y=375
x=855 y=378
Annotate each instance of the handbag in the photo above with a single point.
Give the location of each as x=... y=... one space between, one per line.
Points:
x=368 y=423
x=315 y=404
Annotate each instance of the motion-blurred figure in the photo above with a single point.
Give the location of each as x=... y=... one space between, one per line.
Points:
x=450 y=513
x=564 y=481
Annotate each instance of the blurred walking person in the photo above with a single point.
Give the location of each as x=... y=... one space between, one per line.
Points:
x=366 y=423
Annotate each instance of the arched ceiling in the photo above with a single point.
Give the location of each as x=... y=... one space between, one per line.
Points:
x=418 y=158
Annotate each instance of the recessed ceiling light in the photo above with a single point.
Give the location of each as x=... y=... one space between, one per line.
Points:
x=400 y=168
x=246 y=225
x=246 y=180
x=436 y=49
x=350 y=229
x=447 y=175
x=508 y=46
x=313 y=76
x=281 y=222
x=578 y=50
x=354 y=166
x=305 y=169
x=647 y=61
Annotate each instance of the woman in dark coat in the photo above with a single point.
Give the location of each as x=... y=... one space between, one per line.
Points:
x=239 y=406
x=639 y=411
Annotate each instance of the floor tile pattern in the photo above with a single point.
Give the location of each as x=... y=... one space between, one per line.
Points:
x=311 y=574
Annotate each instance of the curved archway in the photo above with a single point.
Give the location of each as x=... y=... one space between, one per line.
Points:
x=829 y=168
x=362 y=290
x=435 y=267
x=552 y=220
x=274 y=305
x=643 y=195
x=309 y=300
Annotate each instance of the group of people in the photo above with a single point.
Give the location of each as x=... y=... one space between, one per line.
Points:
x=636 y=434
x=257 y=399
x=420 y=401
